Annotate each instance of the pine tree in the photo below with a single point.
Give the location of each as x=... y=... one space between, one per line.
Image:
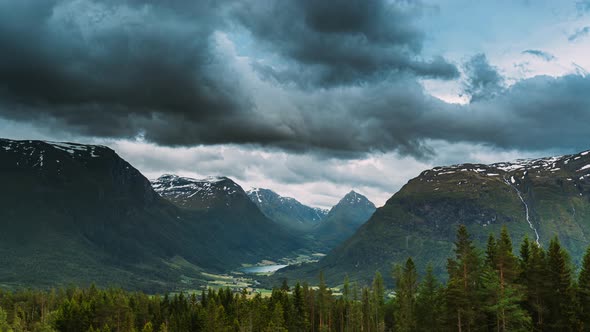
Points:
x=536 y=283
x=502 y=295
x=429 y=303
x=406 y=292
x=463 y=285
x=324 y=303
x=299 y=309
x=346 y=289
x=491 y=249
x=378 y=301
x=560 y=292
x=584 y=291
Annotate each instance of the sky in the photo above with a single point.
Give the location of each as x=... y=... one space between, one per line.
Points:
x=309 y=98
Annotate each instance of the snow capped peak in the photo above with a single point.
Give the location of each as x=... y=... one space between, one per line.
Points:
x=186 y=189
x=41 y=154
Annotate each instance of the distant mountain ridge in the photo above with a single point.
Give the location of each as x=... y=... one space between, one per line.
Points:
x=538 y=198
x=286 y=211
x=324 y=229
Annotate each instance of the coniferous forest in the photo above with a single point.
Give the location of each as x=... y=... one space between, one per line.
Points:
x=494 y=290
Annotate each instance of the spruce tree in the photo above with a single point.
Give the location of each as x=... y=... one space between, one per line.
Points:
x=463 y=285
x=584 y=291
x=491 y=248
x=406 y=291
x=429 y=303
x=502 y=294
x=536 y=282
x=560 y=297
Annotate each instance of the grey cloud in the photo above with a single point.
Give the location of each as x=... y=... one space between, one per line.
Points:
x=333 y=43
x=582 y=32
x=113 y=63
x=122 y=69
x=540 y=54
x=482 y=79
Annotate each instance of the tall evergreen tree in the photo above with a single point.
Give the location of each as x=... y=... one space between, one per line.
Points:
x=501 y=294
x=429 y=303
x=406 y=291
x=491 y=248
x=560 y=297
x=584 y=291
x=463 y=285
x=377 y=302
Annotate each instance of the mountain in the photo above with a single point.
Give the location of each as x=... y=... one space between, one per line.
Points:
x=228 y=220
x=286 y=211
x=201 y=195
x=80 y=213
x=76 y=214
x=539 y=198
x=344 y=219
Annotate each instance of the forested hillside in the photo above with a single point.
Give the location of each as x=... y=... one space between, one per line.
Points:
x=495 y=290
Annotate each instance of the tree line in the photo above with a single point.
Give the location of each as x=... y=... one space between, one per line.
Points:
x=494 y=290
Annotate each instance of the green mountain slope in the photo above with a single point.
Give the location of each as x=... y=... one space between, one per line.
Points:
x=548 y=197
x=74 y=213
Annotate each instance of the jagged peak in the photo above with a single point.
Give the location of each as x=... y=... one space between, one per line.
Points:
x=354 y=198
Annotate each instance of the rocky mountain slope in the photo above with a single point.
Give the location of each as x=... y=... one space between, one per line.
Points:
x=287 y=211
x=538 y=198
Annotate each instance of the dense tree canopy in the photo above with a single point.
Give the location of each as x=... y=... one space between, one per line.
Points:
x=488 y=290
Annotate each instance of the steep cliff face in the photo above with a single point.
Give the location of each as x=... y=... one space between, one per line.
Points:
x=537 y=198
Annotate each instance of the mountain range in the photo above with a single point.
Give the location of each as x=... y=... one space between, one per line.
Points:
x=536 y=198
x=323 y=229
x=75 y=213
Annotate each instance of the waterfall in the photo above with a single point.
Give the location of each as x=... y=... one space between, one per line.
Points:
x=526 y=207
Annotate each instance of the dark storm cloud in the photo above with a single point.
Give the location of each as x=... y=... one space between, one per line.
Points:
x=482 y=79
x=540 y=54
x=156 y=69
x=106 y=65
x=340 y=42
x=582 y=32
